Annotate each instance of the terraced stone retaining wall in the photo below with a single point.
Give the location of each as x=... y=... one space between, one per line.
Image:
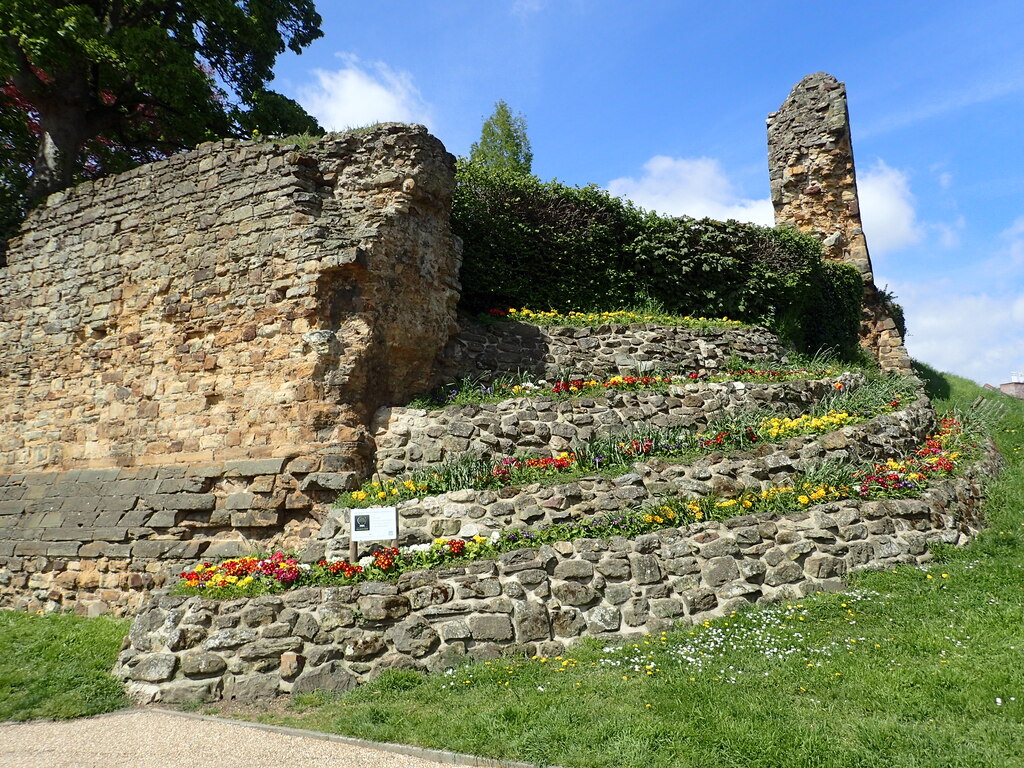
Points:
x=529 y=601
x=410 y=438
x=468 y=513
x=553 y=352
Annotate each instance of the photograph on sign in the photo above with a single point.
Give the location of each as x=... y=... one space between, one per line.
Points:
x=375 y=524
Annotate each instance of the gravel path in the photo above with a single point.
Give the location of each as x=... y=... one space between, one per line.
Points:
x=159 y=739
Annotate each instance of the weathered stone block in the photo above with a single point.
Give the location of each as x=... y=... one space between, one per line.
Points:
x=719 y=570
x=573 y=593
x=574 y=569
x=531 y=622
x=199 y=664
x=155 y=667
x=414 y=636
x=383 y=607
x=492 y=627
x=645 y=568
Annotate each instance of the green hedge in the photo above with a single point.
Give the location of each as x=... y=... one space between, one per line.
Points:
x=549 y=246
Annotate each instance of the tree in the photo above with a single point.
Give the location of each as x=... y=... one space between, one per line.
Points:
x=503 y=142
x=105 y=84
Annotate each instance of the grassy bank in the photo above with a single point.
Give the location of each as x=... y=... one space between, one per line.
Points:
x=910 y=668
x=58 y=666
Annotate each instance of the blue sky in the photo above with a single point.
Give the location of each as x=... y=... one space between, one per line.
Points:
x=666 y=102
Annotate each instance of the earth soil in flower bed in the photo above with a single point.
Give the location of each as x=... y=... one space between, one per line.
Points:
x=898 y=671
x=616 y=455
x=475 y=391
x=942 y=455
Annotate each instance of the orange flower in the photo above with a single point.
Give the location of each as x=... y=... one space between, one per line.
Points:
x=838 y=385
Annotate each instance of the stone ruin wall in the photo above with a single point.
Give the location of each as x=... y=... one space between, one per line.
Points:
x=814 y=189
x=193 y=350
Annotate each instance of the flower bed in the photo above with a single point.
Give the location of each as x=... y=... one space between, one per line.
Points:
x=616 y=454
x=473 y=391
x=942 y=455
x=619 y=317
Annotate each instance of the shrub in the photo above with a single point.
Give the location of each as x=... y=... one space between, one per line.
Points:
x=547 y=245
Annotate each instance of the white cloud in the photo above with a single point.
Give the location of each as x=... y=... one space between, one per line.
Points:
x=695 y=187
x=945 y=180
x=1014 y=258
x=935 y=105
x=948 y=233
x=887 y=209
x=979 y=335
x=361 y=93
x=524 y=8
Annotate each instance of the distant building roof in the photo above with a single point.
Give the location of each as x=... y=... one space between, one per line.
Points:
x=1013 y=388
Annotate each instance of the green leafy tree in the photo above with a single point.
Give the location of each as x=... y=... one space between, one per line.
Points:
x=102 y=85
x=503 y=142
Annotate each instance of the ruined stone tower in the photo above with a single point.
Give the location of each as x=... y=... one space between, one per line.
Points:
x=814 y=189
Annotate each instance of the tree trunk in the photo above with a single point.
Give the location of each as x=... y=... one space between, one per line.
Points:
x=54 y=167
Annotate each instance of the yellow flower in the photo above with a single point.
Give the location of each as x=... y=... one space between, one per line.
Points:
x=803 y=499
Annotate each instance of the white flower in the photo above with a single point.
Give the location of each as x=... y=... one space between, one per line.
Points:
x=999 y=702
x=365 y=561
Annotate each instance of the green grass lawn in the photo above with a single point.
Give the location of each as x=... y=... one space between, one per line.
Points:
x=911 y=667
x=58 y=666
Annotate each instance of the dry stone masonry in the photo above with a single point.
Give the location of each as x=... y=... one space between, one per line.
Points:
x=814 y=189
x=528 y=601
x=411 y=438
x=559 y=352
